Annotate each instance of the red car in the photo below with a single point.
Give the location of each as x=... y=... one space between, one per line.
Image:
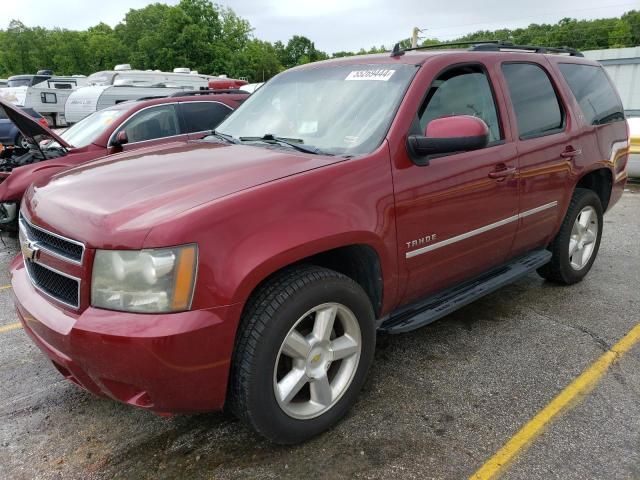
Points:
x=252 y=268
x=123 y=127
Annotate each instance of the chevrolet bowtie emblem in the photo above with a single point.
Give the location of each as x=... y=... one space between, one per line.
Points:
x=29 y=250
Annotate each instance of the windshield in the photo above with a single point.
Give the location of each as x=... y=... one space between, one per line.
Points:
x=20 y=82
x=89 y=129
x=340 y=110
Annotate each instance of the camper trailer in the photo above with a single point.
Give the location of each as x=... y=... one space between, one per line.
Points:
x=123 y=83
x=43 y=92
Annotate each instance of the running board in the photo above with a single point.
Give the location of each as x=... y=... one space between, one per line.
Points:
x=424 y=312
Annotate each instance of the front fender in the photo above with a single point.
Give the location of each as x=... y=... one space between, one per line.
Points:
x=13 y=188
x=247 y=236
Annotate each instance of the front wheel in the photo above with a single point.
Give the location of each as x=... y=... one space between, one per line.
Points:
x=576 y=246
x=305 y=345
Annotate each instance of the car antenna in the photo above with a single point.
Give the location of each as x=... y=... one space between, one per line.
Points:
x=397 y=50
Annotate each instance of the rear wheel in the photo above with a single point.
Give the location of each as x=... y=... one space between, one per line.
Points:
x=576 y=246
x=304 y=348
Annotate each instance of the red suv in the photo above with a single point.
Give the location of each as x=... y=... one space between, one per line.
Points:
x=252 y=269
x=123 y=127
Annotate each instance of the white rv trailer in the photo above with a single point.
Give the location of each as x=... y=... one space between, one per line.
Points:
x=46 y=94
x=121 y=84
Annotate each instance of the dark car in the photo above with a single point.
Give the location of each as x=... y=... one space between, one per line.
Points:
x=250 y=270
x=121 y=128
x=10 y=134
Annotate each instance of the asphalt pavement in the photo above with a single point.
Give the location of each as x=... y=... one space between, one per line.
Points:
x=439 y=402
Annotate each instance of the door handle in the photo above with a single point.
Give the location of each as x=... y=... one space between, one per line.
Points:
x=570 y=152
x=502 y=173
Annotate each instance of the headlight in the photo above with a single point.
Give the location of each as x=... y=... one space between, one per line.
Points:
x=147 y=281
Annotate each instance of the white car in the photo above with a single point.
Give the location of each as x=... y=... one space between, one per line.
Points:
x=633 y=167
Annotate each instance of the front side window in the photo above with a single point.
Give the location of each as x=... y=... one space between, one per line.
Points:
x=340 y=110
x=152 y=123
x=534 y=100
x=594 y=92
x=201 y=116
x=462 y=91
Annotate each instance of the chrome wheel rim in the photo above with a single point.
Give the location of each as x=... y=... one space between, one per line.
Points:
x=317 y=361
x=583 y=238
x=24 y=143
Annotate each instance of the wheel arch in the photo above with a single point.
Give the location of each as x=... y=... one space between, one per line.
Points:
x=362 y=261
x=599 y=180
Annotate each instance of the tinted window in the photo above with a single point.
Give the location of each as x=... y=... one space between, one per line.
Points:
x=462 y=91
x=152 y=123
x=594 y=92
x=534 y=100
x=201 y=116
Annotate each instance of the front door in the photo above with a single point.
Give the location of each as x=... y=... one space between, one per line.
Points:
x=457 y=216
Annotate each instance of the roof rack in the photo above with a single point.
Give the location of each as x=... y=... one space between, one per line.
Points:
x=490 y=46
x=193 y=93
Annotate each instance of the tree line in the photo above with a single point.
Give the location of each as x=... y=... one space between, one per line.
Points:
x=212 y=39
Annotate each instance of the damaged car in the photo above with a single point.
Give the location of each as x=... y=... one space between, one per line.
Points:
x=124 y=127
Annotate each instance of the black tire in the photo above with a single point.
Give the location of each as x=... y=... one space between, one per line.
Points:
x=268 y=317
x=559 y=269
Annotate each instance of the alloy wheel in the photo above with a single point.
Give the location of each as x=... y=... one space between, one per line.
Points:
x=317 y=361
x=583 y=238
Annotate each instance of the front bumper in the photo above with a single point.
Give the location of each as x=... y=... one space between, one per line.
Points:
x=169 y=363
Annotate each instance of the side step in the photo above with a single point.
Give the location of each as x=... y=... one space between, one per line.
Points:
x=424 y=312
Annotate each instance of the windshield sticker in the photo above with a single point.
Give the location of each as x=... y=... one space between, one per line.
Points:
x=381 y=74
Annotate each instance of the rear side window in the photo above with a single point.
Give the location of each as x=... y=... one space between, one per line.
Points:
x=593 y=91
x=534 y=99
x=201 y=116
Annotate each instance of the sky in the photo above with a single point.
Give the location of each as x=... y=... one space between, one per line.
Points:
x=335 y=25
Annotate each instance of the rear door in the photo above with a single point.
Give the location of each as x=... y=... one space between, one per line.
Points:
x=454 y=220
x=541 y=124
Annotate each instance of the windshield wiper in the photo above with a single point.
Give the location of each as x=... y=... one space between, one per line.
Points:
x=223 y=136
x=295 y=143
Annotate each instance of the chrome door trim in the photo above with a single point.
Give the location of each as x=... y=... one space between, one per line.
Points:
x=478 y=231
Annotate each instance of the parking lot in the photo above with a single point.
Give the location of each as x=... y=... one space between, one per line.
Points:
x=438 y=404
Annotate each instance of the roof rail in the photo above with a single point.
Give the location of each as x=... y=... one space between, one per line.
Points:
x=503 y=45
x=490 y=46
x=193 y=93
x=150 y=97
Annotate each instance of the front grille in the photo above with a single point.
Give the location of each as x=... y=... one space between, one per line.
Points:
x=58 y=286
x=62 y=247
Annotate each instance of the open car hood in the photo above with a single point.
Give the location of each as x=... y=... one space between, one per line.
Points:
x=28 y=126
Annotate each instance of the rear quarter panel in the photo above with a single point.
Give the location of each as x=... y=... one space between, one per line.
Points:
x=603 y=146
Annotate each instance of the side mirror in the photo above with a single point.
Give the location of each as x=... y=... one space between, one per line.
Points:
x=458 y=133
x=121 y=139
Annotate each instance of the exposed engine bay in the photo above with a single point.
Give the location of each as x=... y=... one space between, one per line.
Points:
x=13 y=157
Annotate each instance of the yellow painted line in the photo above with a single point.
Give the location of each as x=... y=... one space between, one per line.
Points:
x=565 y=400
x=10 y=327
x=5 y=287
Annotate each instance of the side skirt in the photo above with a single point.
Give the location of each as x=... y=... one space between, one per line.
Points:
x=426 y=311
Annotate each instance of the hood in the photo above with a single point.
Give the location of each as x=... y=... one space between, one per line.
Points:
x=28 y=126
x=128 y=194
